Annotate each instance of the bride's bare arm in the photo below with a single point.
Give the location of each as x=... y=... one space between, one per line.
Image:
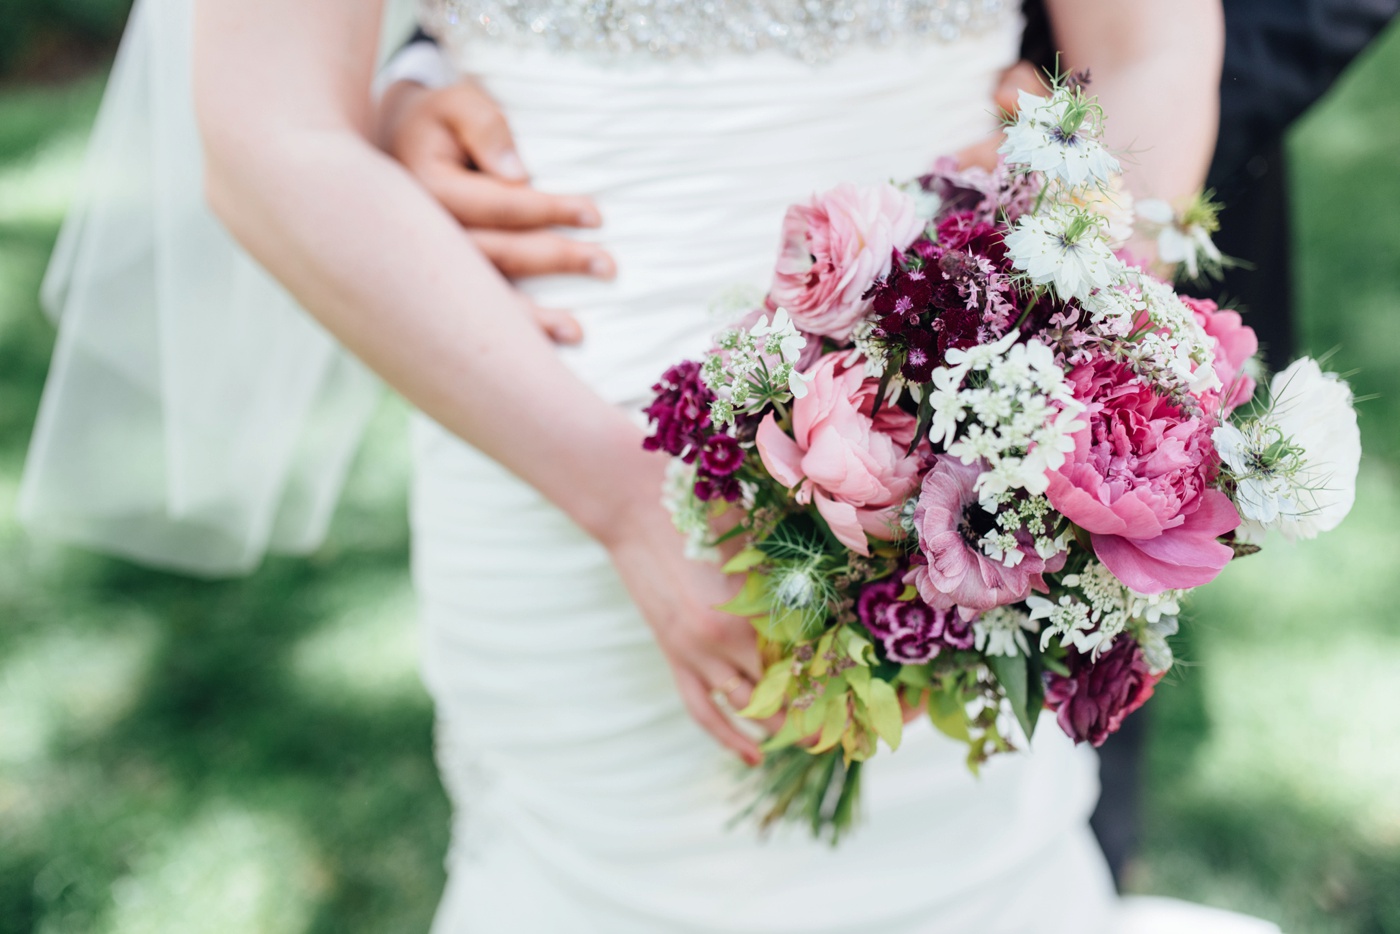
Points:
x=281 y=87
x=1156 y=70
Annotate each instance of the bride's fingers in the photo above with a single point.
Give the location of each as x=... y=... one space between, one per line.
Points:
x=701 y=705
x=542 y=253
x=561 y=326
x=478 y=200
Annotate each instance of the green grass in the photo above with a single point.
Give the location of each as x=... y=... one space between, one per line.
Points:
x=254 y=756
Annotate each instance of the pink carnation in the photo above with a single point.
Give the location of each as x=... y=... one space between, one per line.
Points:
x=950 y=521
x=834 y=249
x=1097 y=696
x=1139 y=482
x=854 y=467
x=1235 y=344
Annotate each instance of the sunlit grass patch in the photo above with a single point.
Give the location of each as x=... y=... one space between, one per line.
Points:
x=368 y=653
x=229 y=871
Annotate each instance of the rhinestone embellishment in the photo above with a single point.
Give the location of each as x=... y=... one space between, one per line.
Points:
x=810 y=30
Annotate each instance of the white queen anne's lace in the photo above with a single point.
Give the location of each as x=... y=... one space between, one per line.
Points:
x=810 y=30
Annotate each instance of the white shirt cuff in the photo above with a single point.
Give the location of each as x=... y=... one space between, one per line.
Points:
x=420 y=62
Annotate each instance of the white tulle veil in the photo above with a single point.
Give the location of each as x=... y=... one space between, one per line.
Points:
x=194 y=417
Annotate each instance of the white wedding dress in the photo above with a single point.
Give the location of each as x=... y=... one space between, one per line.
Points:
x=586 y=799
x=195 y=418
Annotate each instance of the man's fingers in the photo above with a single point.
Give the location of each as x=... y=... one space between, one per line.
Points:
x=1022 y=76
x=478 y=200
x=542 y=253
x=482 y=131
x=702 y=707
x=560 y=326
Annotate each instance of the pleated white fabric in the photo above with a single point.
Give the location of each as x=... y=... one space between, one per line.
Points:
x=586 y=799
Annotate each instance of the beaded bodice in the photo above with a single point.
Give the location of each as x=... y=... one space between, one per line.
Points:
x=809 y=30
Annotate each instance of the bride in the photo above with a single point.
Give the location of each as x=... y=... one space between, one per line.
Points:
x=580 y=672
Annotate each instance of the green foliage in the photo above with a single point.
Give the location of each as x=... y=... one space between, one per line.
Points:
x=28 y=23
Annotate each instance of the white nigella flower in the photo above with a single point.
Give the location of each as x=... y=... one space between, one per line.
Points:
x=1294 y=466
x=1060 y=136
x=1002 y=631
x=1064 y=247
x=1182 y=239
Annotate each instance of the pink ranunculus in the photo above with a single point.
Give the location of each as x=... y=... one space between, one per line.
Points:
x=1139 y=482
x=949 y=521
x=834 y=249
x=1235 y=344
x=853 y=467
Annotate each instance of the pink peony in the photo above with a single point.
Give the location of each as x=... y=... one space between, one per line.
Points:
x=950 y=521
x=834 y=249
x=1139 y=482
x=1235 y=344
x=852 y=466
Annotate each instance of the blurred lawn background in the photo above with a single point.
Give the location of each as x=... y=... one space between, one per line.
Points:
x=254 y=756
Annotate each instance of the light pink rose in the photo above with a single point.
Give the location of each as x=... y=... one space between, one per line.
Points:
x=1139 y=483
x=950 y=521
x=834 y=249
x=1235 y=343
x=854 y=468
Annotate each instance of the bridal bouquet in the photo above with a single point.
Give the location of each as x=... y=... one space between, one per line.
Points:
x=978 y=456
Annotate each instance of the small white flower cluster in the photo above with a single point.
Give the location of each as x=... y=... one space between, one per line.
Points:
x=690 y=515
x=754 y=368
x=1009 y=405
x=1294 y=465
x=1099 y=610
x=1061 y=136
x=874 y=351
x=1148 y=326
x=1002 y=631
x=1029 y=514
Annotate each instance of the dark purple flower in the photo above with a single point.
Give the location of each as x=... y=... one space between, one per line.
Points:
x=721 y=456
x=713 y=488
x=680 y=412
x=958 y=632
x=1097 y=696
x=909 y=631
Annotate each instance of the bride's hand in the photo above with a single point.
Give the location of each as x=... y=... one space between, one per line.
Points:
x=457 y=143
x=711 y=653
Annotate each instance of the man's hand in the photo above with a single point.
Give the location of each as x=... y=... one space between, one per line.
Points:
x=1021 y=76
x=457 y=143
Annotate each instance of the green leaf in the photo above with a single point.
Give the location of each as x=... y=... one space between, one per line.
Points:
x=752 y=600
x=886 y=716
x=769 y=693
x=787 y=734
x=785 y=626
x=859 y=680
x=946 y=710
x=1011 y=672
x=748 y=558
x=833 y=724
x=1035 y=694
